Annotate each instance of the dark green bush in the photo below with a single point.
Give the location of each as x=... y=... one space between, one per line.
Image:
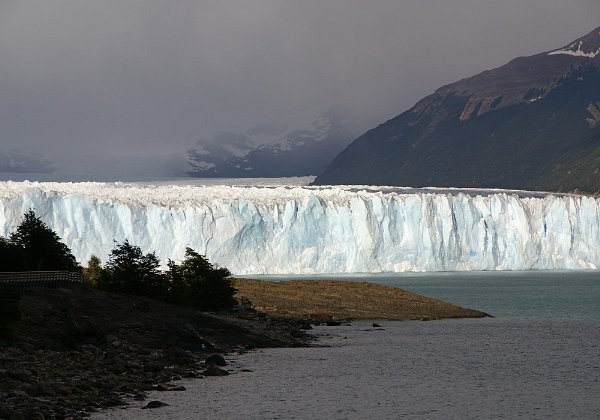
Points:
x=93 y=272
x=130 y=271
x=197 y=283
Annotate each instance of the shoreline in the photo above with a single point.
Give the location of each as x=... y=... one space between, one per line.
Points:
x=78 y=350
x=447 y=369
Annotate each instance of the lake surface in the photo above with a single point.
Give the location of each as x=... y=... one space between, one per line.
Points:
x=539 y=358
x=569 y=295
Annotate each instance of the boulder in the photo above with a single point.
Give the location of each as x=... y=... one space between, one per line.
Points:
x=212 y=370
x=215 y=359
x=169 y=387
x=155 y=404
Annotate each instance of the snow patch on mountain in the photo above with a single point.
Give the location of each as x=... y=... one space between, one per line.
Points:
x=576 y=53
x=587 y=46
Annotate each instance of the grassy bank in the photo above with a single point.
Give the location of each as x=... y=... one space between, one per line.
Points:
x=331 y=299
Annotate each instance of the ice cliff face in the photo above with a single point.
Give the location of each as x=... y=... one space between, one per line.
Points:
x=318 y=229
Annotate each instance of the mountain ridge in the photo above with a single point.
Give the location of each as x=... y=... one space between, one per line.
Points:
x=532 y=123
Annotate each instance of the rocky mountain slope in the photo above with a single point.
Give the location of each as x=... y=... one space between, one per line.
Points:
x=533 y=123
x=296 y=149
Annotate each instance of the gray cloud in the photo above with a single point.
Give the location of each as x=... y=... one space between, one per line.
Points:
x=117 y=77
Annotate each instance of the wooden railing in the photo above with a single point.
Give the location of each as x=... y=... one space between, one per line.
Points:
x=27 y=279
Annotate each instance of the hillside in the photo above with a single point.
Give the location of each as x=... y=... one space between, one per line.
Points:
x=533 y=124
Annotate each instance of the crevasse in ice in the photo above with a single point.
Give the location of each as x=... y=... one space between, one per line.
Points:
x=296 y=230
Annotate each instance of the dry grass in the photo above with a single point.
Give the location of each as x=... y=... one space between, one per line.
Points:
x=323 y=299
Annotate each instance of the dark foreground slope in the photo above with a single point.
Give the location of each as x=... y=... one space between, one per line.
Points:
x=77 y=350
x=532 y=124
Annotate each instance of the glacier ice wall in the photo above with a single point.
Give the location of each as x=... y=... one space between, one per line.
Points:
x=280 y=230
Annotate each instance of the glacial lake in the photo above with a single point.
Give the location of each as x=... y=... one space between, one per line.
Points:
x=538 y=359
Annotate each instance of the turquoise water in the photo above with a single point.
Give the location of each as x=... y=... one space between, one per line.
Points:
x=522 y=295
x=535 y=295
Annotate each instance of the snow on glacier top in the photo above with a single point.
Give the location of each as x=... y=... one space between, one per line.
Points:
x=184 y=195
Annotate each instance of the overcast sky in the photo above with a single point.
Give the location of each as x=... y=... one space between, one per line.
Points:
x=110 y=76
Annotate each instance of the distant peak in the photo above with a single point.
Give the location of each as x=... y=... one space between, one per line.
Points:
x=587 y=46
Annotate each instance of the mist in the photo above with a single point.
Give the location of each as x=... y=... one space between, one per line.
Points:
x=121 y=88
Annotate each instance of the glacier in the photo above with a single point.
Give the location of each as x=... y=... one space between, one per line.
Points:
x=293 y=229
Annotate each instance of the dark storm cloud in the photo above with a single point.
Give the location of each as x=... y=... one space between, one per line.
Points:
x=151 y=77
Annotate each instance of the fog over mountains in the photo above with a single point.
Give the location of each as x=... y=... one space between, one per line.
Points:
x=298 y=149
x=123 y=89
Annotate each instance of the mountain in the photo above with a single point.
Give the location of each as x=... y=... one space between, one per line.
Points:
x=533 y=124
x=273 y=150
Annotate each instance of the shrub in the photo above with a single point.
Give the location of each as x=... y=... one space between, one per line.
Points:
x=130 y=271
x=197 y=283
x=93 y=272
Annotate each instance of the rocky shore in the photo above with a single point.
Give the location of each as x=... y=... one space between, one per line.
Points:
x=77 y=350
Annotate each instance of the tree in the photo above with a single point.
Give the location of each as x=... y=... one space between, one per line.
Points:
x=93 y=272
x=197 y=283
x=130 y=271
x=42 y=248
